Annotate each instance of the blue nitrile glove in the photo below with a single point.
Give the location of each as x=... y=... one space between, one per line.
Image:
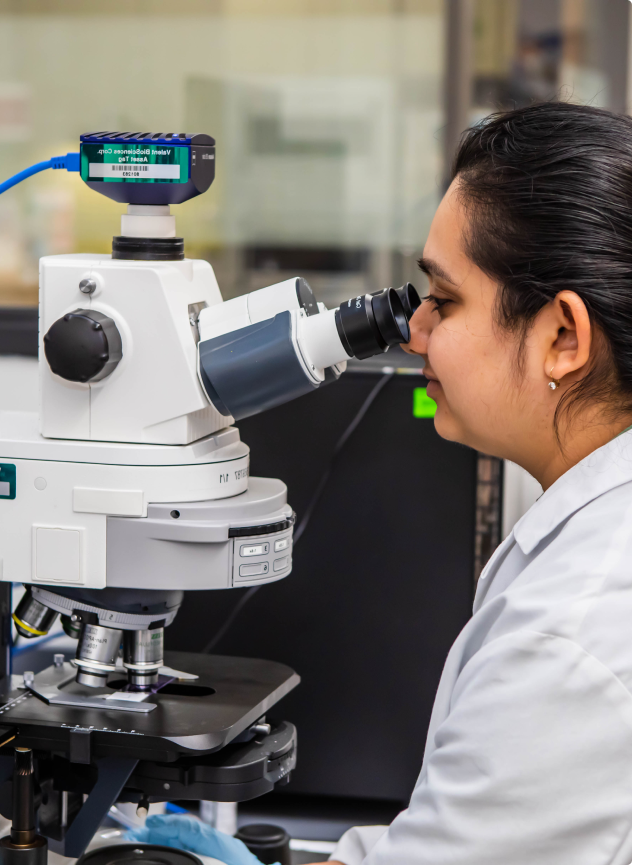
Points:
x=189 y=833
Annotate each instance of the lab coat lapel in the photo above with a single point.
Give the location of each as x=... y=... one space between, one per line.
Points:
x=491 y=569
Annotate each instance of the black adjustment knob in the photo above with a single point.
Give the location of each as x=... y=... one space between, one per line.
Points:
x=269 y=843
x=84 y=345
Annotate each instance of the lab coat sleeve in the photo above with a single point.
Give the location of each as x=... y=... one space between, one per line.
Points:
x=533 y=763
x=356 y=843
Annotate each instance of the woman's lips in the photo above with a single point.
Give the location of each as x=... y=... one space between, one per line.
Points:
x=433 y=386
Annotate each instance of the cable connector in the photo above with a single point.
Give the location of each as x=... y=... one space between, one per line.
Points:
x=71 y=162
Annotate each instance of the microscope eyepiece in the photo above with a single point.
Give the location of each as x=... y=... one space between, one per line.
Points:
x=390 y=317
x=369 y=324
x=410 y=298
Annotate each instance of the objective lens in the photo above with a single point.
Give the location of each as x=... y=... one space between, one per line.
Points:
x=142 y=657
x=369 y=324
x=96 y=654
x=31 y=618
x=71 y=628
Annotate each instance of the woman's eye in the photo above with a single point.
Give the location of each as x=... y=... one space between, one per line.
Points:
x=437 y=302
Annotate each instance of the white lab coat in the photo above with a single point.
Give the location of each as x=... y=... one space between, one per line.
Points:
x=529 y=753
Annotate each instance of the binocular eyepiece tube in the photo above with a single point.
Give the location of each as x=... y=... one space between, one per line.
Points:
x=263 y=349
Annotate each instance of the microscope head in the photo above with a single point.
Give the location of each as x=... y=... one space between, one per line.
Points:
x=265 y=348
x=148 y=168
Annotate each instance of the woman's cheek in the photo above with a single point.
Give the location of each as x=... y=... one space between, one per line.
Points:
x=443 y=355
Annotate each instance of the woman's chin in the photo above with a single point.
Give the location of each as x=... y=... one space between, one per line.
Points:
x=443 y=428
x=444 y=422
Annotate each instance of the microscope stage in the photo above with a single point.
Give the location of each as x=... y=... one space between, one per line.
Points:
x=191 y=717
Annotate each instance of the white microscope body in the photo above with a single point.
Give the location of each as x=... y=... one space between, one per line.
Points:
x=132 y=485
x=144 y=435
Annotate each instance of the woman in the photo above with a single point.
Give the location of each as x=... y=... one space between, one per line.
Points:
x=527 y=338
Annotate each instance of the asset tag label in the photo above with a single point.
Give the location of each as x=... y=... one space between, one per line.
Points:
x=135 y=163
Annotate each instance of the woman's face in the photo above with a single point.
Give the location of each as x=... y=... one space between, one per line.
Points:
x=485 y=399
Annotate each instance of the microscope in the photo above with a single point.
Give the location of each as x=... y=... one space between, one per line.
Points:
x=131 y=486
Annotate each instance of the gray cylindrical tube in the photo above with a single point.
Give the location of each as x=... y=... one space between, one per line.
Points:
x=142 y=656
x=97 y=651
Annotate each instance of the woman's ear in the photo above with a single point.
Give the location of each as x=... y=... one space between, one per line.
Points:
x=568 y=334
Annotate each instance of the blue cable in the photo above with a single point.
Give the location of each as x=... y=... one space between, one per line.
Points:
x=71 y=162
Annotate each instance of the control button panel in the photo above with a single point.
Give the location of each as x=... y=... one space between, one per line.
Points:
x=262 y=559
x=256 y=569
x=281 y=564
x=254 y=550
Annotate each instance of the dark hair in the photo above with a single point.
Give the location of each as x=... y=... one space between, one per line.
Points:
x=548 y=190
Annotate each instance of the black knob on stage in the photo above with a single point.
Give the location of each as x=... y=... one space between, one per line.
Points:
x=268 y=843
x=84 y=346
x=23 y=846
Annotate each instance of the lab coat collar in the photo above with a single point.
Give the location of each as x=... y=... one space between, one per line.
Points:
x=608 y=467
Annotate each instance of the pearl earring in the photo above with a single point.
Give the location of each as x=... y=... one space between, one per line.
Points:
x=554 y=383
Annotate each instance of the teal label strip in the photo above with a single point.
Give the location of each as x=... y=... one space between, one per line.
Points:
x=134 y=163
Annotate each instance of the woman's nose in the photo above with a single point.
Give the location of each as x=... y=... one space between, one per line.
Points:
x=420 y=328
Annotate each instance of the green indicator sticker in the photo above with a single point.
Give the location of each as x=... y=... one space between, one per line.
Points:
x=423 y=405
x=7 y=481
x=135 y=163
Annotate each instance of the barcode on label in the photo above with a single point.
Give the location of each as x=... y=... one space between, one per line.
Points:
x=151 y=171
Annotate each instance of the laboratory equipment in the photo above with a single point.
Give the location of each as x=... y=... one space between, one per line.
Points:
x=131 y=486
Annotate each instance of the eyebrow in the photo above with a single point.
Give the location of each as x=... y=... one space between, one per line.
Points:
x=431 y=268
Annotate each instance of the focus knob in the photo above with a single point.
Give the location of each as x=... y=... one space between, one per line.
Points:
x=84 y=345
